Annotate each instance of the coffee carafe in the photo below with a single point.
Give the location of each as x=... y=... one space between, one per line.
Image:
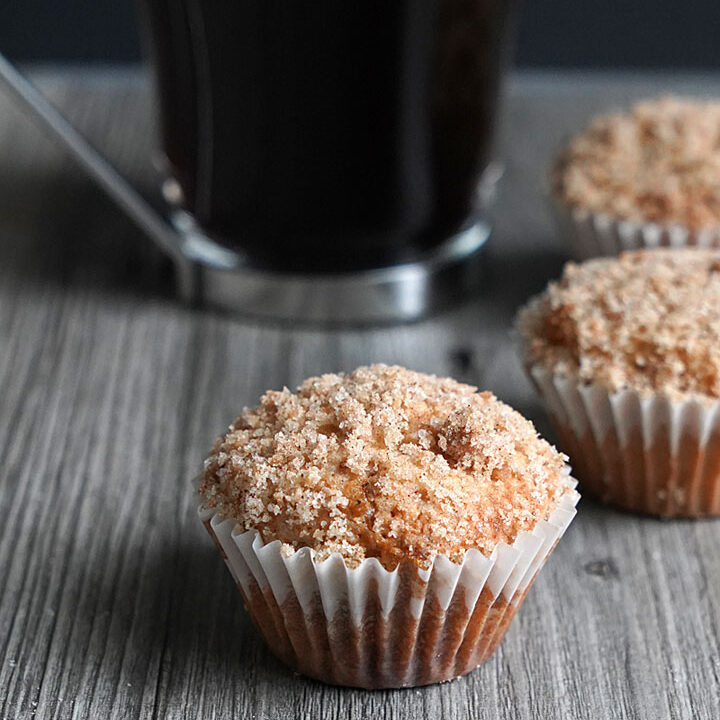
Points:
x=320 y=160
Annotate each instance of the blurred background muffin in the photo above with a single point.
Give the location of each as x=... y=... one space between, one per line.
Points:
x=646 y=178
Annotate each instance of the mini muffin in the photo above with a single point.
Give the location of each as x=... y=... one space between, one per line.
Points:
x=625 y=353
x=384 y=526
x=646 y=178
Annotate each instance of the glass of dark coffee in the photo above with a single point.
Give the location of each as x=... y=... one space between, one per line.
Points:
x=326 y=137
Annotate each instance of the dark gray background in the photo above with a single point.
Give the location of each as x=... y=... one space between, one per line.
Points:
x=560 y=33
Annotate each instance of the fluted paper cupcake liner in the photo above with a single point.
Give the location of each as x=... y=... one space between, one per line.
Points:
x=645 y=453
x=594 y=234
x=370 y=627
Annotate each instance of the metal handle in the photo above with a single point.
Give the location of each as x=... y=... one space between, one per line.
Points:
x=119 y=189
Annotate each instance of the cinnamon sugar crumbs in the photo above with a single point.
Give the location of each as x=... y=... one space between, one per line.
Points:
x=658 y=163
x=649 y=320
x=387 y=463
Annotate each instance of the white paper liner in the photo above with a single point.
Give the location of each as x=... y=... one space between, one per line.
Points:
x=594 y=234
x=370 y=627
x=645 y=453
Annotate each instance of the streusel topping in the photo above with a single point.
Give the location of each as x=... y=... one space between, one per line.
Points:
x=387 y=463
x=649 y=320
x=658 y=163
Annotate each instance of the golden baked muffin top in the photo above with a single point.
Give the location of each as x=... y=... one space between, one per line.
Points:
x=387 y=463
x=658 y=163
x=648 y=320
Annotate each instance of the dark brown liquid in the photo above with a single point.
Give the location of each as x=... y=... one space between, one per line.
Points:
x=328 y=134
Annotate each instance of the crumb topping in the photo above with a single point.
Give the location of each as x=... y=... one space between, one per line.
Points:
x=387 y=463
x=658 y=163
x=649 y=320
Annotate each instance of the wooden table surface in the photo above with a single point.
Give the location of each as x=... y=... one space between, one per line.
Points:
x=113 y=602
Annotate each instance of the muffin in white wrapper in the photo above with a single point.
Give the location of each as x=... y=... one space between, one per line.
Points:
x=384 y=525
x=589 y=234
x=644 y=178
x=624 y=353
x=370 y=627
x=645 y=453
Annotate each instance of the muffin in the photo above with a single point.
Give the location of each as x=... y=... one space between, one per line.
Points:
x=384 y=526
x=625 y=353
x=646 y=178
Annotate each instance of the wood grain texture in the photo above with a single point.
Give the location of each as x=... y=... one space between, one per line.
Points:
x=114 y=604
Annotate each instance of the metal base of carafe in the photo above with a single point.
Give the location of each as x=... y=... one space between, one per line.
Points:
x=211 y=276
